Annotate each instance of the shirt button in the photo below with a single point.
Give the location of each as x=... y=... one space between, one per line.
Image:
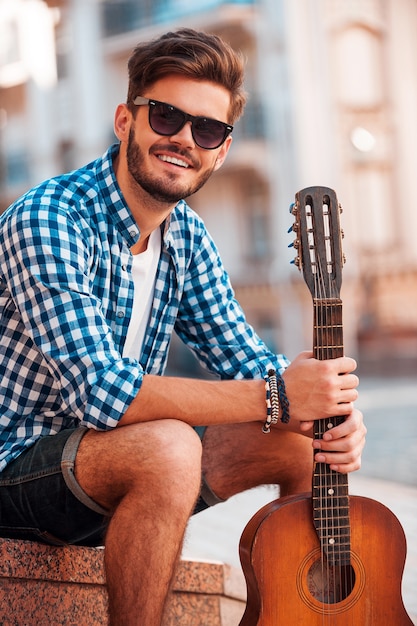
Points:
x=124 y=268
x=120 y=314
x=132 y=233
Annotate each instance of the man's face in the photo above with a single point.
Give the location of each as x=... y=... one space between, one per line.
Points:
x=173 y=167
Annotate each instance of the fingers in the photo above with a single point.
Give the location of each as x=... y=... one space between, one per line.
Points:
x=348 y=381
x=352 y=425
x=345 y=364
x=340 y=463
x=342 y=447
x=320 y=388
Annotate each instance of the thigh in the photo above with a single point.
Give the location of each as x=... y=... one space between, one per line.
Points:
x=37 y=503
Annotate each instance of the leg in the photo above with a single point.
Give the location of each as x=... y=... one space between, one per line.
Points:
x=149 y=476
x=237 y=457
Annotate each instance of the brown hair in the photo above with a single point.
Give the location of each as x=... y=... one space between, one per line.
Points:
x=190 y=53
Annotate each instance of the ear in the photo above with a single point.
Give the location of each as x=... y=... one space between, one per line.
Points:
x=122 y=122
x=223 y=153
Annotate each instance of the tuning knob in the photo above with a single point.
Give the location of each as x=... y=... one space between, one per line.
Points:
x=293 y=208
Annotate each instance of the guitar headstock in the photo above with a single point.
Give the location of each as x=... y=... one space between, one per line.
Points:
x=318 y=240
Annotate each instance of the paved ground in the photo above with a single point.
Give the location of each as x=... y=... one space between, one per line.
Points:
x=389 y=475
x=390 y=410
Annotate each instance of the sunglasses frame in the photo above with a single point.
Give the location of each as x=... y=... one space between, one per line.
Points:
x=140 y=101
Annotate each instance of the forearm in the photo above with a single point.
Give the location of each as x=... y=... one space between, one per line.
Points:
x=197 y=402
x=315 y=389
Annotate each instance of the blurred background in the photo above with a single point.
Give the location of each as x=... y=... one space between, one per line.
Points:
x=332 y=101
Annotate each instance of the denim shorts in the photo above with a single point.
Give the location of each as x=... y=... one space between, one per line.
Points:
x=40 y=498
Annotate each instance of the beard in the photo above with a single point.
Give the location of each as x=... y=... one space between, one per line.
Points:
x=162 y=189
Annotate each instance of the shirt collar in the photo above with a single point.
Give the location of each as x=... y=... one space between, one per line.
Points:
x=113 y=199
x=119 y=211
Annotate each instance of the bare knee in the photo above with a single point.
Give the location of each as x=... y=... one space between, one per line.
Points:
x=238 y=457
x=160 y=460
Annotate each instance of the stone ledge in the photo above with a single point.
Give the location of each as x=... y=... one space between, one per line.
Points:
x=55 y=586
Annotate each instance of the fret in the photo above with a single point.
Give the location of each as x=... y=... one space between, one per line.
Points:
x=330 y=505
x=322 y=352
x=328 y=483
x=342 y=525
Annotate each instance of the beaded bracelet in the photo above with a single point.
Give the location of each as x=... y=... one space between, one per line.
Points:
x=272 y=400
x=276 y=399
x=283 y=400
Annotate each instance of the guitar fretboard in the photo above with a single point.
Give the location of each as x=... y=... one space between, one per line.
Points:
x=330 y=488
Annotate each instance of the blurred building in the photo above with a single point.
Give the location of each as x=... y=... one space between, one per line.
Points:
x=333 y=95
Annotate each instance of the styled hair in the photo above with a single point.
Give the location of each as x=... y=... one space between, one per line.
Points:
x=186 y=52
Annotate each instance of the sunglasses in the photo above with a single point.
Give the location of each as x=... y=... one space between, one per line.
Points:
x=165 y=119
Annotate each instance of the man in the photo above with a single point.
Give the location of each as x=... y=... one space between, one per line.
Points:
x=98 y=268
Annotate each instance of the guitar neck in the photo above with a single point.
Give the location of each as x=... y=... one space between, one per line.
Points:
x=328 y=328
x=330 y=488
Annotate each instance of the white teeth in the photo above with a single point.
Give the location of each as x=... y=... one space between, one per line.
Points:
x=173 y=160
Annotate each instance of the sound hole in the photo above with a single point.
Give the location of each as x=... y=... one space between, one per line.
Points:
x=330 y=584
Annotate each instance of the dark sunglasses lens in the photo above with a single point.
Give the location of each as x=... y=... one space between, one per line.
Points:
x=208 y=133
x=165 y=119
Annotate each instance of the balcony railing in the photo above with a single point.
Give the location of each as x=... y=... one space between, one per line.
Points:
x=122 y=16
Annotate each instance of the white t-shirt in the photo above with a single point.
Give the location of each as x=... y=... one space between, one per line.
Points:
x=144 y=266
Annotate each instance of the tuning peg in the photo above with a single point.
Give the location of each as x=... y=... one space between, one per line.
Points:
x=340 y=208
x=343 y=259
x=293 y=208
x=342 y=233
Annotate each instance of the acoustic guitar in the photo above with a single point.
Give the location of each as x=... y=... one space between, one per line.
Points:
x=323 y=558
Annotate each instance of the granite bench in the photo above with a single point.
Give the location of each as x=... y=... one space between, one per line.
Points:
x=44 y=585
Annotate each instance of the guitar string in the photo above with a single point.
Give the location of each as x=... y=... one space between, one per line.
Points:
x=327 y=490
x=330 y=493
x=322 y=482
x=334 y=495
x=338 y=586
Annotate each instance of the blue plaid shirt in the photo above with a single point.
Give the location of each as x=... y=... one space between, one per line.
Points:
x=66 y=296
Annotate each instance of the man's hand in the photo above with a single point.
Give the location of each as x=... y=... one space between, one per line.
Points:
x=317 y=389
x=342 y=446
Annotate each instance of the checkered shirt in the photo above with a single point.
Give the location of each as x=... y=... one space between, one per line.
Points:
x=66 y=296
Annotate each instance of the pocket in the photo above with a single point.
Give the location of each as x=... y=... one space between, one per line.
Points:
x=31 y=534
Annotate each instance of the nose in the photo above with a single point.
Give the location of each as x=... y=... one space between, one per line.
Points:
x=184 y=136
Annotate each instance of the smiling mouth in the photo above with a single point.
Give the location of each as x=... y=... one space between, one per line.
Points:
x=173 y=160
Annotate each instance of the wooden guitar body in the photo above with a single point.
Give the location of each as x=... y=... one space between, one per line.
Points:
x=282 y=561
